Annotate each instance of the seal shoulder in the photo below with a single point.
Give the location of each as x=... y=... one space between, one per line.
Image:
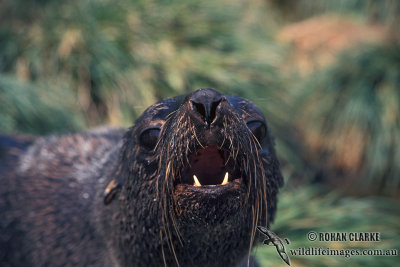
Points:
x=48 y=188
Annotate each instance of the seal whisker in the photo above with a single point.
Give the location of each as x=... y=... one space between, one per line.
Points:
x=197 y=139
x=162 y=249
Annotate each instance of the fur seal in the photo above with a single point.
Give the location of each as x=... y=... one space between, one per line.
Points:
x=185 y=186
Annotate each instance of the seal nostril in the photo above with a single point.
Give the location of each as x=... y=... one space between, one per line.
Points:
x=207 y=110
x=200 y=109
x=213 y=111
x=205 y=102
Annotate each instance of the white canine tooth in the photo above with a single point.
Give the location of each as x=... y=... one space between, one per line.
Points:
x=225 y=179
x=196 y=181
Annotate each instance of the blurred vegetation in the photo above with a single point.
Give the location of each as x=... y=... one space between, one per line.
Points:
x=31 y=108
x=320 y=209
x=329 y=89
x=352 y=114
x=118 y=57
x=386 y=11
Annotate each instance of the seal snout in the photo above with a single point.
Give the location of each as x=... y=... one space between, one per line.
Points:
x=204 y=105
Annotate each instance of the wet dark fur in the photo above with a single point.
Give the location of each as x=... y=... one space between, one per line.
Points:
x=52 y=191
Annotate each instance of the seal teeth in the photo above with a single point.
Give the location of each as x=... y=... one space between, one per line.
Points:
x=225 y=181
x=196 y=181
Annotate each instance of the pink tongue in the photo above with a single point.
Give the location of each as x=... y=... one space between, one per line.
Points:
x=208 y=166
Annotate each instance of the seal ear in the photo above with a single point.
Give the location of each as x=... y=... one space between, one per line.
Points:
x=111 y=191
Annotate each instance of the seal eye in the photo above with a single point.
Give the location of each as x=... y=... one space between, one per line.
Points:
x=149 y=137
x=258 y=129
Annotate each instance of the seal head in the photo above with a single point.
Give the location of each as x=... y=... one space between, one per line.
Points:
x=197 y=174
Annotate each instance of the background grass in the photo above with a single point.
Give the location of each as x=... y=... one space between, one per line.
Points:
x=325 y=73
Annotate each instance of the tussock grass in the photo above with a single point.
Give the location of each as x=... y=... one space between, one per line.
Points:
x=351 y=119
x=323 y=210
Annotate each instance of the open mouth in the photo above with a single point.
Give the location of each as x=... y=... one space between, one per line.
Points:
x=210 y=167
